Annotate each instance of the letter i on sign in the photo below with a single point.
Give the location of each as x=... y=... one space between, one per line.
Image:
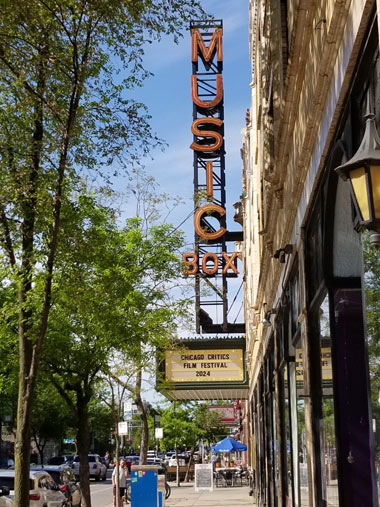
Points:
x=209 y=179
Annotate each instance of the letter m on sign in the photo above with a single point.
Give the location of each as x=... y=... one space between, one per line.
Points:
x=198 y=46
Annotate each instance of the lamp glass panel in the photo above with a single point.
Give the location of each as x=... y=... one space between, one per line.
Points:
x=375 y=176
x=358 y=181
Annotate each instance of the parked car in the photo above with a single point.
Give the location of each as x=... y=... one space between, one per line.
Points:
x=43 y=491
x=5 y=499
x=97 y=470
x=64 y=477
x=66 y=459
x=168 y=455
x=153 y=461
x=181 y=460
x=7 y=463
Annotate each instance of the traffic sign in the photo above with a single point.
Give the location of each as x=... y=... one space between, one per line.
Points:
x=123 y=428
x=159 y=433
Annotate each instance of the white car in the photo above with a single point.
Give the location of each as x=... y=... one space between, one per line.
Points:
x=173 y=461
x=96 y=468
x=43 y=492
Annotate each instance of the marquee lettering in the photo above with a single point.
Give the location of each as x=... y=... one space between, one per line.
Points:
x=190 y=263
x=212 y=209
x=206 y=133
x=229 y=262
x=209 y=179
x=207 y=141
x=210 y=103
x=205 y=268
x=197 y=43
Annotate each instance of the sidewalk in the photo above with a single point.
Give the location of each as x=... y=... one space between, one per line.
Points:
x=185 y=496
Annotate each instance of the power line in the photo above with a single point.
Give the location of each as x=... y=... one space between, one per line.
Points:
x=241 y=285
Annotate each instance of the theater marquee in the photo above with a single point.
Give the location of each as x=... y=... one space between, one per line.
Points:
x=205 y=369
x=204 y=366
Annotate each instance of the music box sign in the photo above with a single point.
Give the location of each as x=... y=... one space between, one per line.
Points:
x=208 y=146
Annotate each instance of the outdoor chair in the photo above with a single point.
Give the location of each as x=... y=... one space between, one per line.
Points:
x=238 y=477
x=219 y=479
x=228 y=478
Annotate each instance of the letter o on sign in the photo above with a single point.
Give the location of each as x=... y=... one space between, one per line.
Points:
x=208 y=256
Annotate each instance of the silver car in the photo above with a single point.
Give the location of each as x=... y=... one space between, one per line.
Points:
x=43 y=492
x=5 y=499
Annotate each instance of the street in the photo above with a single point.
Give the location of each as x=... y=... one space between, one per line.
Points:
x=101 y=492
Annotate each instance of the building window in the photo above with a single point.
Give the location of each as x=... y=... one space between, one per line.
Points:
x=303 y=467
x=324 y=401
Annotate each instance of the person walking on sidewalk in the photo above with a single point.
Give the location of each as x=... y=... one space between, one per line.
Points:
x=123 y=476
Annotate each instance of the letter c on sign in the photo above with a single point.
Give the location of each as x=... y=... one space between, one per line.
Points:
x=198 y=217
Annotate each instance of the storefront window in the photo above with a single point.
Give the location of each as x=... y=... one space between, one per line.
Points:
x=288 y=442
x=301 y=436
x=276 y=450
x=328 y=443
x=271 y=430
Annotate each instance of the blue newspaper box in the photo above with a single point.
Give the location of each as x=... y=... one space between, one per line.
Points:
x=144 y=491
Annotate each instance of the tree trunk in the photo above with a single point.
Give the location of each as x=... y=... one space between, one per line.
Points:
x=40 y=447
x=177 y=466
x=117 y=450
x=143 y=418
x=22 y=448
x=187 y=476
x=83 y=443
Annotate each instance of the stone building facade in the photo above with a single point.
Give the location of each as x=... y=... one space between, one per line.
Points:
x=315 y=66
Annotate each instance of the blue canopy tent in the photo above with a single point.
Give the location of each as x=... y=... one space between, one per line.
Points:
x=228 y=445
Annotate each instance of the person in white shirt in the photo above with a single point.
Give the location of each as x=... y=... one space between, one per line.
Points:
x=123 y=476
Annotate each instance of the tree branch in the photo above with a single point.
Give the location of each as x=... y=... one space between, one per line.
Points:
x=64 y=395
x=6 y=238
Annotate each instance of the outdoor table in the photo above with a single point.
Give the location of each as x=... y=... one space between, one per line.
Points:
x=228 y=474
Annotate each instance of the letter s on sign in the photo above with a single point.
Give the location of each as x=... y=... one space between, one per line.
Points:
x=187 y=263
x=206 y=133
x=198 y=217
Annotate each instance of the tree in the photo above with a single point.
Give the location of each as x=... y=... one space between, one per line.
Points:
x=211 y=428
x=63 y=110
x=50 y=419
x=184 y=426
x=148 y=312
x=110 y=302
x=85 y=313
x=372 y=298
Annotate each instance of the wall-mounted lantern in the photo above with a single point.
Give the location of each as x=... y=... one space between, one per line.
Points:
x=267 y=314
x=363 y=173
x=282 y=252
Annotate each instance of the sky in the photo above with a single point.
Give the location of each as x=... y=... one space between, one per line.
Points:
x=168 y=97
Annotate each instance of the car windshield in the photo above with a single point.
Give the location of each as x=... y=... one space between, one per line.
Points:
x=56 y=476
x=10 y=483
x=57 y=460
x=91 y=459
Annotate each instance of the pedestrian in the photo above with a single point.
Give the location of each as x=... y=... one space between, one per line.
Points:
x=123 y=476
x=213 y=461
